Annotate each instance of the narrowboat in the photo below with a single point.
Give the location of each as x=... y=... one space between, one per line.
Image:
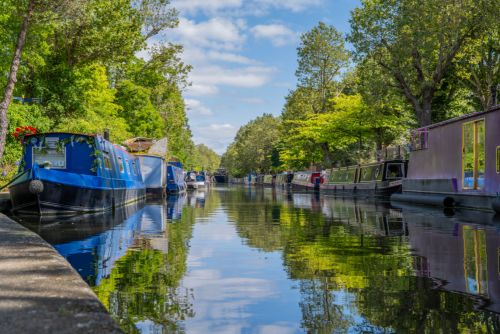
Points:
x=269 y=180
x=175 y=178
x=456 y=163
x=153 y=175
x=306 y=180
x=377 y=179
x=196 y=180
x=68 y=173
x=259 y=180
x=220 y=176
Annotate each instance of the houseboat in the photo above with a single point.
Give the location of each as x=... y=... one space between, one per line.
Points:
x=251 y=179
x=456 y=163
x=175 y=178
x=67 y=173
x=196 y=180
x=306 y=181
x=378 y=179
x=153 y=175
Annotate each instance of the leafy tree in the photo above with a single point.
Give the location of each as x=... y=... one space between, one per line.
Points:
x=417 y=42
x=142 y=117
x=253 y=147
x=205 y=158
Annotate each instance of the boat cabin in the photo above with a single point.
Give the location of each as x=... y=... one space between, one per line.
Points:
x=460 y=155
x=381 y=178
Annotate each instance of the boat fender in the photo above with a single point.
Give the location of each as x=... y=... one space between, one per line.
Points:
x=35 y=187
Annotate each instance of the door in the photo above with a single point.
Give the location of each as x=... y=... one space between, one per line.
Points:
x=473 y=157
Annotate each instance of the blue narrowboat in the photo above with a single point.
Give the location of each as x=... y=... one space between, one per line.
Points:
x=68 y=173
x=175 y=178
x=153 y=174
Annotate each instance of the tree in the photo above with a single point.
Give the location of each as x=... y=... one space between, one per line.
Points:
x=321 y=58
x=416 y=42
x=12 y=78
x=253 y=147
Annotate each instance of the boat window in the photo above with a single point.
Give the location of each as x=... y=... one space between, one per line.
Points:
x=394 y=171
x=107 y=161
x=120 y=164
x=50 y=157
x=126 y=167
x=498 y=159
x=371 y=173
x=134 y=168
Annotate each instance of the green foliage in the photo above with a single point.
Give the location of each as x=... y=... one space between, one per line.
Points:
x=142 y=117
x=417 y=42
x=80 y=61
x=253 y=147
x=20 y=115
x=205 y=159
x=99 y=109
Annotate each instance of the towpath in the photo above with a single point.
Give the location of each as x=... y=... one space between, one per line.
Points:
x=40 y=292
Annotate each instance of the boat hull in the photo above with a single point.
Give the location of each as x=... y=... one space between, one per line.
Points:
x=383 y=188
x=58 y=199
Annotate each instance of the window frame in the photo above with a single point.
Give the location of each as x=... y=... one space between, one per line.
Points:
x=121 y=167
x=498 y=159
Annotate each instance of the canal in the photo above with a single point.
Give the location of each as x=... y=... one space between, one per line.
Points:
x=246 y=260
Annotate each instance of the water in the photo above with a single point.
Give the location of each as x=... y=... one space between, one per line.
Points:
x=240 y=260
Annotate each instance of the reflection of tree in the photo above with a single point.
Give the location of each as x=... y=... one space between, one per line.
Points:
x=144 y=284
x=351 y=275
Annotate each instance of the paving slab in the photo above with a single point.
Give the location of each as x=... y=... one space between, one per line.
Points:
x=39 y=290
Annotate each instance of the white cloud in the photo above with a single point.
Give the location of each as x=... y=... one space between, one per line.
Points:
x=216 y=33
x=250 y=76
x=278 y=34
x=210 y=6
x=216 y=136
x=252 y=100
x=195 y=107
x=293 y=5
x=230 y=58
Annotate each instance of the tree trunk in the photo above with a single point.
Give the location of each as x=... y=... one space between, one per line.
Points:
x=327 y=156
x=11 y=81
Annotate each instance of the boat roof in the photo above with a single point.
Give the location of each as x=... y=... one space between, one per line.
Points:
x=460 y=118
x=63 y=133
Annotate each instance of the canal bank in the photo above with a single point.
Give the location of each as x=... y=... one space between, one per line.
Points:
x=40 y=292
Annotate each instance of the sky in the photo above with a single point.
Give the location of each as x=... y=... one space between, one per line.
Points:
x=244 y=57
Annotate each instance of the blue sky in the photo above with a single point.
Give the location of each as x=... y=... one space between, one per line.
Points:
x=243 y=54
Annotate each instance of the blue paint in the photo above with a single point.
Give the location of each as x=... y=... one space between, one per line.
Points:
x=175 y=178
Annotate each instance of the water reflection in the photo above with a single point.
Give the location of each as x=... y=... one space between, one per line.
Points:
x=255 y=260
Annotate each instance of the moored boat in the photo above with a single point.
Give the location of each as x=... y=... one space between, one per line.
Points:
x=153 y=175
x=284 y=180
x=196 y=180
x=456 y=163
x=306 y=180
x=175 y=178
x=380 y=179
x=67 y=173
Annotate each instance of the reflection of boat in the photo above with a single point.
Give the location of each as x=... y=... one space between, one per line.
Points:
x=175 y=204
x=175 y=178
x=65 y=173
x=93 y=243
x=196 y=199
x=456 y=162
x=464 y=255
x=381 y=178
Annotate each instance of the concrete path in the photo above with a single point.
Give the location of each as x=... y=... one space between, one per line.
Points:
x=39 y=290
